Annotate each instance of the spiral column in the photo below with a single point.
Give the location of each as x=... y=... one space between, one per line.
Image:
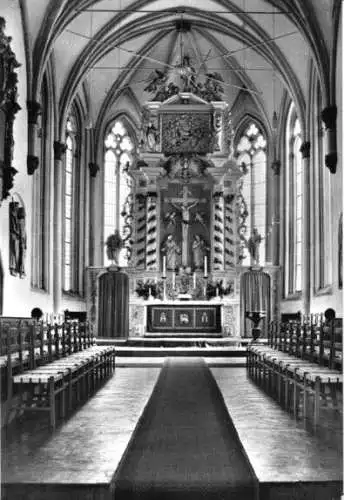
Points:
x=140 y=211
x=229 y=231
x=152 y=232
x=218 y=232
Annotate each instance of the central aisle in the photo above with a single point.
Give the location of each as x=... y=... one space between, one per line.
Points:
x=185 y=445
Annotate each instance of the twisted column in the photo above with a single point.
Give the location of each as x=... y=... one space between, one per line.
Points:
x=218 y=232
x=140 y=247
x=152 y=233
x=229 y=232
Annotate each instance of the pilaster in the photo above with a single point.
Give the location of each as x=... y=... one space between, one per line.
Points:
x=59 y=150
x=34 y=110
x=305 y=150
x=329 y=117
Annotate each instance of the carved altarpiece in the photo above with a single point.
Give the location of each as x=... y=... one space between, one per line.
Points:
x=185 y=189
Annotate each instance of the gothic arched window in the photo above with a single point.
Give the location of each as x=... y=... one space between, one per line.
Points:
x=293 y=208
x=69 y=205
x=117 y=182
x=251 y=156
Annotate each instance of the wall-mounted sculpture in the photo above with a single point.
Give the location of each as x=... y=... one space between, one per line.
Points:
x=8 y=109
x=18 y=242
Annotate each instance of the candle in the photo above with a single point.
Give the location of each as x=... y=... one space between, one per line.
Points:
x=205 y=266
x=194 y=280
x=164 y=266
x=173 y=279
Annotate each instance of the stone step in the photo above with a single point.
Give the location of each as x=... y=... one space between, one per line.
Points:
x=232 y=352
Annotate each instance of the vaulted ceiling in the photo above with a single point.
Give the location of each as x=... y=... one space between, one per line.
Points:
x=106 y=48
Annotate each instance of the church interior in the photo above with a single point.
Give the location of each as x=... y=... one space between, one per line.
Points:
x=171 y=249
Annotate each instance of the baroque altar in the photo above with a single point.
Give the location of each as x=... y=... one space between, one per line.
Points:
x=185 y=213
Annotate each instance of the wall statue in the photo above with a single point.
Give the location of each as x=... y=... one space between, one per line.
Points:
x=18 y=240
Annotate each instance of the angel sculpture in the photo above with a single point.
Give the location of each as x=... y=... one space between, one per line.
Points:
x=157 y=81
x=170 y=218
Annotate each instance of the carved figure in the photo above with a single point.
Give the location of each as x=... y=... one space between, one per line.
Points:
x=14 y=238
x=199 y=250
x=151 y=136
x=173 y=253
x=21 y=241
x=17 y=239
x=253 y=245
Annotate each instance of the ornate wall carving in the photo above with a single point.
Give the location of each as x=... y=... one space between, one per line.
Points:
x=8 y=109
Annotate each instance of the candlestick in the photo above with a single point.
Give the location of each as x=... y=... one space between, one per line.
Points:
x=205 y=266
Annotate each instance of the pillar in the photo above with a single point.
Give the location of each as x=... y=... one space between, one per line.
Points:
x=306 y=230
x=33 y=111
x=329 y=117
x=275 y=236
x=93 y=169
x=59 y=150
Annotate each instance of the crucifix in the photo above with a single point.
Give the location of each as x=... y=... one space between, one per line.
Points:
x=184 y=204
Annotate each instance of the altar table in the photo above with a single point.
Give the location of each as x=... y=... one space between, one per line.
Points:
x=178 y=318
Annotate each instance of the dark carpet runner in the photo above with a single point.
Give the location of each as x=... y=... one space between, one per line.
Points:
x=185 y=445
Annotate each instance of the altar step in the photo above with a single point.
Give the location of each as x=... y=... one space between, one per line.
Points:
x=227 y=351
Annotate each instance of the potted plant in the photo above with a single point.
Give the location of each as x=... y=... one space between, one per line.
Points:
x=114 y=245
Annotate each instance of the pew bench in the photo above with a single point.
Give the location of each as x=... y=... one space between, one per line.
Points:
x=52 y=367
x=78 y=373
x=301 y=360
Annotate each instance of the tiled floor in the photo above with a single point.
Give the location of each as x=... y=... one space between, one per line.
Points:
x=88 y=447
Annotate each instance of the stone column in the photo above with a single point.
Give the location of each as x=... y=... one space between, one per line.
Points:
x=33 y=111
x=94 y=169
x=306 y=230
x=59 y=150
x=276 y=167
x=329 y=117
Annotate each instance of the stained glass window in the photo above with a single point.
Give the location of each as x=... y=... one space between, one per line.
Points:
x=251 y=156
x=294 y=205
x=117 y=182
x=68 y=214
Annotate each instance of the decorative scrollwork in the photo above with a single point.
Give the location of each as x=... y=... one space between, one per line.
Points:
x=8 y=109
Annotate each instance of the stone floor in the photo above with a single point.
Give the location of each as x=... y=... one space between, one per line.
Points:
x=86 y=449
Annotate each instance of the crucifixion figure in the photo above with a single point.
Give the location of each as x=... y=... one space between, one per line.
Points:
x=184 y=204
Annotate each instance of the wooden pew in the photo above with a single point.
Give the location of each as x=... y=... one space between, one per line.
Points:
x=53 y=366
x=302 y=359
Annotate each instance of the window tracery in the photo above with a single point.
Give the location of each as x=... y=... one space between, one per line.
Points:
x=118 y=157
x=251 y=156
